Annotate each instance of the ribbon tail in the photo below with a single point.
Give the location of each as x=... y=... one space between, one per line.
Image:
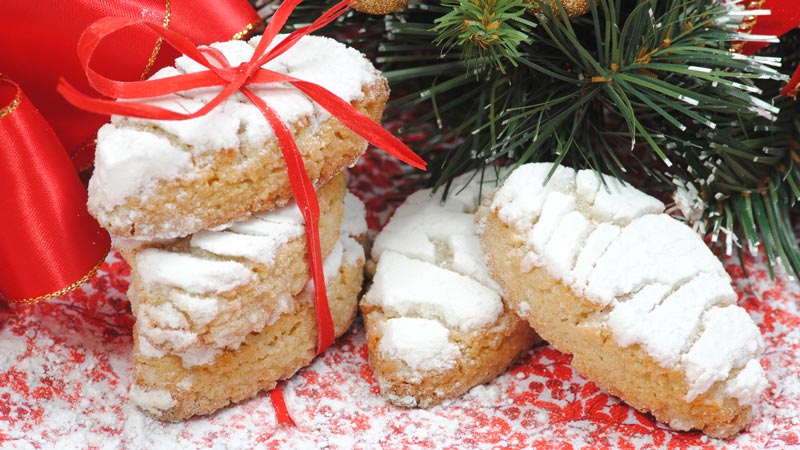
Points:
x=360 y=123
x=279 y=404
x=306 y=197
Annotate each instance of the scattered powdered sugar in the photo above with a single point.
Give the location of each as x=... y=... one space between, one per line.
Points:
x=486 y=394
x=422 y=344
x=153 y=401
x=610 y=243
x=690 y=204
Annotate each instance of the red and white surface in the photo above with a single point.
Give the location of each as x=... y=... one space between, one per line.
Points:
x=65 y=368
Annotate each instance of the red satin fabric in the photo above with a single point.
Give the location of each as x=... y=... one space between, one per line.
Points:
x=792 y=88
x=785 y=16
x=38 y=40
x=48 y=240
x=233 y=79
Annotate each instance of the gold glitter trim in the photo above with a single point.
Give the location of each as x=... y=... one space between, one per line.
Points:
x=748 y=22
x=17 y=98
x=65 y=290
x=159 y=42
x=92 y=141
x=246 y=31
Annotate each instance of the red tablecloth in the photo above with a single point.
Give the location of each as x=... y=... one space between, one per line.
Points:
x=65 y=368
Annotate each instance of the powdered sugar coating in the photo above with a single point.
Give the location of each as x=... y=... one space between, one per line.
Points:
x=138 y=151
x=668 y=330
x=179 y=325
x=256 y=239
x=664 y=289
x=190 y=273
x=408 y=287
x=429 y=229
x=653 y=249
x=748 y=384
x=127 y=160
x=200 y=310
x=153 y=401
x=422 y=344
x=726 y=331
x=255 y=248
x=354 y=219
x=431 y=279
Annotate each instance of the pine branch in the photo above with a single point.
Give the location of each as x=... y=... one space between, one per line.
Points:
x=647 y=91
x=489 y=29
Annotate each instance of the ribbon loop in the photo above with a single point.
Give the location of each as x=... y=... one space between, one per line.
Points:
x=50 y=244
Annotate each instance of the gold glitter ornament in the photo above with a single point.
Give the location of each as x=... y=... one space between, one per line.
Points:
x=574 y=8
x=378 y=7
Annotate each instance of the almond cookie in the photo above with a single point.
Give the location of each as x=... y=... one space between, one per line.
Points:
x=436 y=325
x=639 y=301
x=236 y=279
x=162 y=179
x=188 y=362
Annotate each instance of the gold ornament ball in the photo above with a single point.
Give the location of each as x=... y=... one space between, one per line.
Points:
x=379 y=6
x=574 y=8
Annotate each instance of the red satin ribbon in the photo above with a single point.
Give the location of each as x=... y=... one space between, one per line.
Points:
x=233 y=79
x=279 y=404
x=38 y=39
x=785 y=15
x=50 y=244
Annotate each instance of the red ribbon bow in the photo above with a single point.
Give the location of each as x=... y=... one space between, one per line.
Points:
x=237 y=79
x=38 y=38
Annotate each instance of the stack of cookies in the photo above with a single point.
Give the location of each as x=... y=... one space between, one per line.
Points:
x=203 y=212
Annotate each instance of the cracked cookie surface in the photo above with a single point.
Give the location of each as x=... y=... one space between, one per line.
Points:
x=644 y=307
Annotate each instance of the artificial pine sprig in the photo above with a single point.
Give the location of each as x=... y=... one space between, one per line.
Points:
x=484 y=29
